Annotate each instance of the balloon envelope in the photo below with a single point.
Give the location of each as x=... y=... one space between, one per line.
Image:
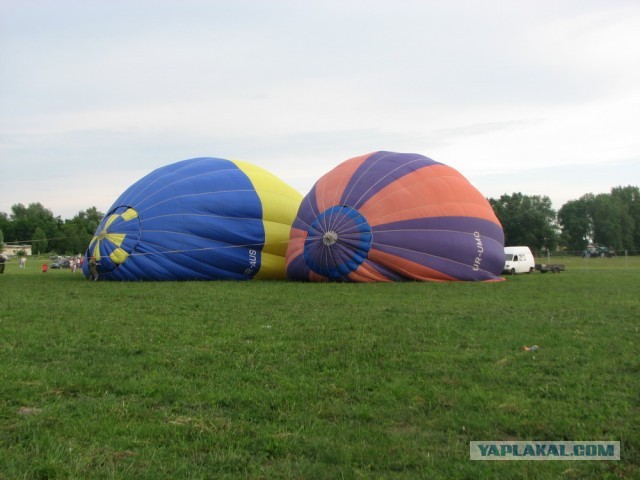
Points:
x=395 y=216
x=198 y=219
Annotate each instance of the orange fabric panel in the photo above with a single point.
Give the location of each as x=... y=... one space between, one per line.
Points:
x=366 y=273
x=314 y=277
x=432 y=191
x=329 y=188
x=408 y=268
x=296 y=244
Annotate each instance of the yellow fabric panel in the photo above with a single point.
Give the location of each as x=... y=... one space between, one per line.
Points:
x=118 y=256
x=129 y=214
x=280 y=203
x=115 y=238
x=96 y=251
x=280 y=206
x=111 y=219
x=276 y=238
x=272 y=267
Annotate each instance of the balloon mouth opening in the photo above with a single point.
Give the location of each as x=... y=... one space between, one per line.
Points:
x=338 y=242
x=114 y=240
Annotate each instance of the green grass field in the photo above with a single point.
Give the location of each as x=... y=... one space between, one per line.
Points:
x=289 y=380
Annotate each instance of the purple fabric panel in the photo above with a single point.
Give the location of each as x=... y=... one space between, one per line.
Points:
x=307 y=212
x=378 y=171
x=298 y=269
x=449 y=267
x=447 y=224
x=449 y=256
x=446 y=244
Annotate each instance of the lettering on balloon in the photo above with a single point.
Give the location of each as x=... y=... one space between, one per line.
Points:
x=253 y=263
x=480 y=250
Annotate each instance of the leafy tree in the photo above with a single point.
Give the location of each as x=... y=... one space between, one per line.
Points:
x=630 y=198
x=75 y=234
x=610 y=219
x=39 y=241
x=4 y=226
x=25 y=221
x=612 y=224
x=527 y=220
x=76 y=239
x=91 y=218
x=576 y=223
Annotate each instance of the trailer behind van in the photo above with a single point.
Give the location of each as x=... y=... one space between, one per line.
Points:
x=550 y=267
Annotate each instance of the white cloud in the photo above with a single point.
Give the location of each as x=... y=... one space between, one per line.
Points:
x=490 y=88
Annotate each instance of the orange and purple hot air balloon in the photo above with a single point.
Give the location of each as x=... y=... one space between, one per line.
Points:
x=390 y=216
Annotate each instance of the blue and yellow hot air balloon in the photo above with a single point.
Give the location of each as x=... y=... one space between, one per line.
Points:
x=395 y=216
x=198 y=219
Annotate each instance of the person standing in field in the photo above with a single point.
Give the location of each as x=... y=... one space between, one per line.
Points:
x=23 y=262
x=93 y=268
x=2 y=260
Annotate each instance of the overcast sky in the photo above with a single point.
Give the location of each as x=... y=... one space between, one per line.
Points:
x=539 y=97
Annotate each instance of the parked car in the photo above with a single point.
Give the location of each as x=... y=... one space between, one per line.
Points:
x=62 y=263
x=596 y=250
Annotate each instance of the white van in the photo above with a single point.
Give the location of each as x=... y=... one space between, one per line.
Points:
x=518 y=260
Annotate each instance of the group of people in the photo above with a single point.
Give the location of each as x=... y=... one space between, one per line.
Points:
x=74 y=264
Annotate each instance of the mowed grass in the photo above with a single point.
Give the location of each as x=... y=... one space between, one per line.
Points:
x=292 y=380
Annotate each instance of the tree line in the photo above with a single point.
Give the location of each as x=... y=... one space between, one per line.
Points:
x=46 y=233
x=609 y=219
